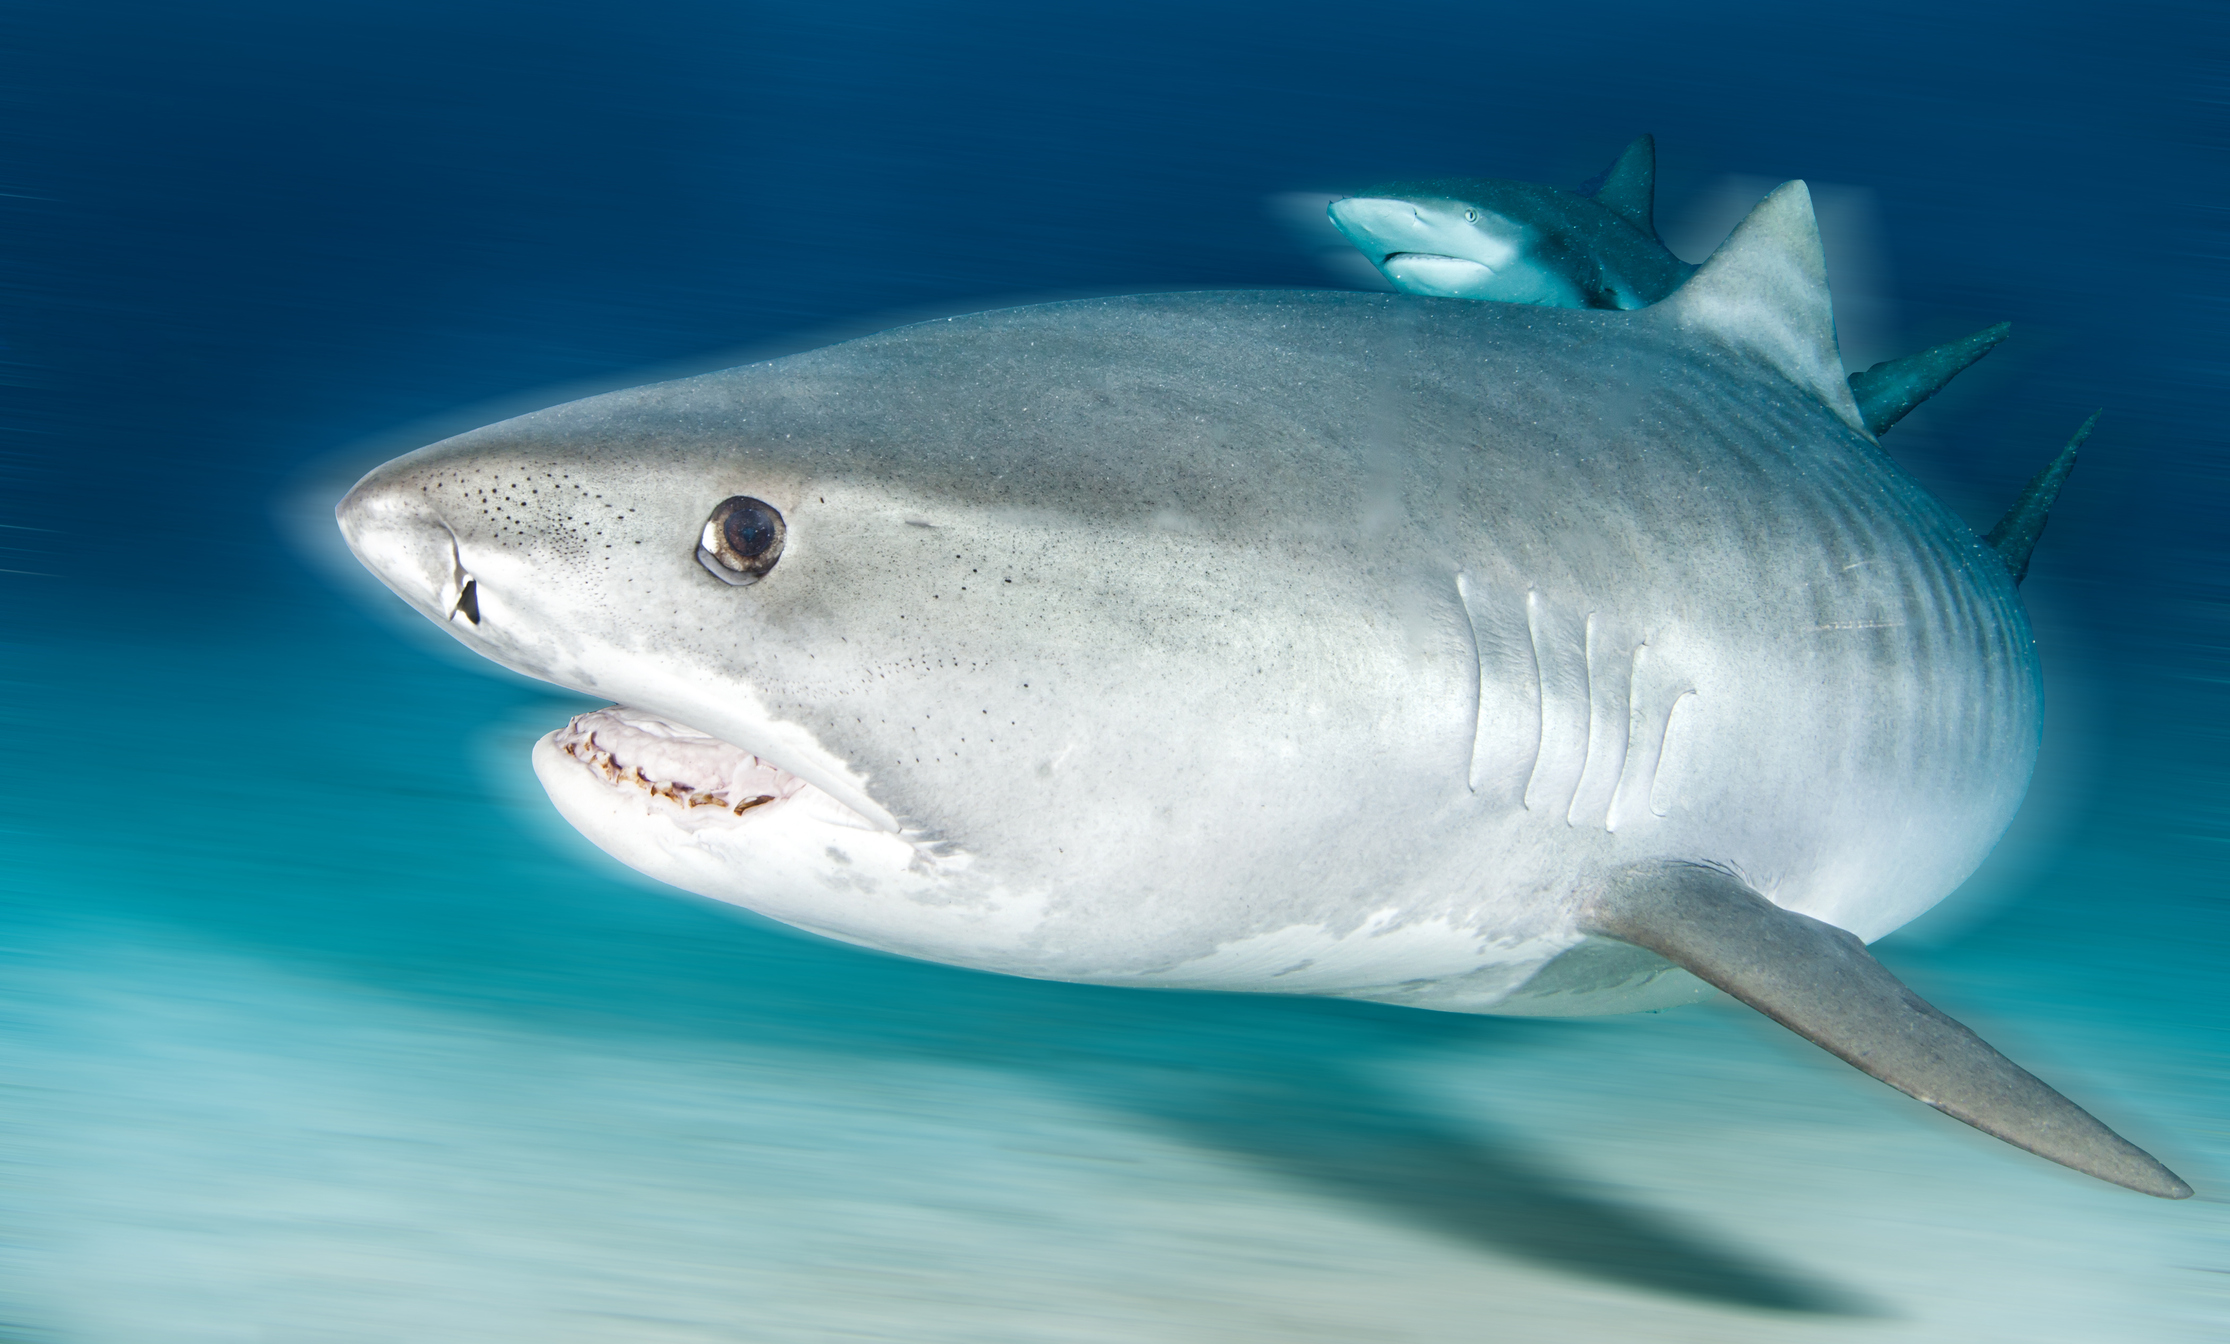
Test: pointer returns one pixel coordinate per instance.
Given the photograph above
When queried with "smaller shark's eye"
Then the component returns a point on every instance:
(1470, 216)
(741, 540)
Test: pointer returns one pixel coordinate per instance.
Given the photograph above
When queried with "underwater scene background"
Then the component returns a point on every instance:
(317, 1024)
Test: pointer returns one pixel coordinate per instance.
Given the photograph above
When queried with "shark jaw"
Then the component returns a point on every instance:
(1435, 275)
(631, 749)
(695, 812)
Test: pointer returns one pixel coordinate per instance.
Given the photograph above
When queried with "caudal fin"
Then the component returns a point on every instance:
(1822, 984)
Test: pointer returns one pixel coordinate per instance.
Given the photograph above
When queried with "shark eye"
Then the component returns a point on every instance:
(1470, 216)
(741, 541)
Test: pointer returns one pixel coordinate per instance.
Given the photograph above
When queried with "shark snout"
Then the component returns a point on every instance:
(1376, 224)
(401, 537)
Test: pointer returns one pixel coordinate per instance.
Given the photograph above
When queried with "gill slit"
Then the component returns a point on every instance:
(1540, 696)
(1661, 806)
(1637, 728)
(1478, 678)
(1587, 691)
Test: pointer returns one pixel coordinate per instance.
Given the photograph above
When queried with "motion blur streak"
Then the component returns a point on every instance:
(316, 1025)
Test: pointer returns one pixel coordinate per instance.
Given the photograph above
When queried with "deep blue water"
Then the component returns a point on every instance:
(317, 1025)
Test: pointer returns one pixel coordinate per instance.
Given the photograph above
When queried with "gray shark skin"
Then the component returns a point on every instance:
(1520, 242)
(1458, 655)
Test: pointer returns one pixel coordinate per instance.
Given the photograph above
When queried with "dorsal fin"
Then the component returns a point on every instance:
(1822, 984)
(1890, 390)
(1764, 292)
(1629, 187)
(2014, 538)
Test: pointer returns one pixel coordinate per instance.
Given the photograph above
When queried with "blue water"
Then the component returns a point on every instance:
(316, 1025)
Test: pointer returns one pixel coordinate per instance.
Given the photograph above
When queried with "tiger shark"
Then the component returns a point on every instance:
(1456, 655)
(1522, 242)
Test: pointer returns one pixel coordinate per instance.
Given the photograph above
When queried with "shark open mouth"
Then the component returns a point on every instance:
(705, 779)
(702, 814)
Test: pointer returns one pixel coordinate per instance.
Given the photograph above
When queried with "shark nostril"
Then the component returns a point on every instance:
(468, 601)
(462, 593)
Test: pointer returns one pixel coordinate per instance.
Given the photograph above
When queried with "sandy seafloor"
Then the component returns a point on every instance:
(316, 1024)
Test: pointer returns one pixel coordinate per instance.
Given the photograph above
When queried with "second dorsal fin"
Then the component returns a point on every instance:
(1764, 292)
(1629, 187)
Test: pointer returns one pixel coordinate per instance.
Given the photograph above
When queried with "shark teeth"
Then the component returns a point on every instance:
(689, 769)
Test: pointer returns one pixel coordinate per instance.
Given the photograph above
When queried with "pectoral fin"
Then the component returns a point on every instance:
(1822, 984)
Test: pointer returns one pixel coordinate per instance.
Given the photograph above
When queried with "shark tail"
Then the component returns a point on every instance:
(1821, 983)
(2015, 536)
(1889, 391)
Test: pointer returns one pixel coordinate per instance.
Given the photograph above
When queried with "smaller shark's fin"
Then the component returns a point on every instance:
(1764, 292)
(1822, 984)
(1890, 390)
(1629, 188)
(2014, 538)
